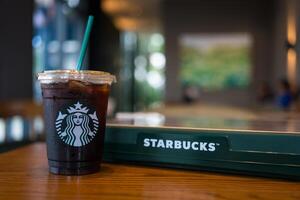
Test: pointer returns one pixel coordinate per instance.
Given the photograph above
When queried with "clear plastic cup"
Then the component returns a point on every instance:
(75, 105)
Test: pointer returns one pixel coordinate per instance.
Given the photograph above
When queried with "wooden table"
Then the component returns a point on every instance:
(24, 175)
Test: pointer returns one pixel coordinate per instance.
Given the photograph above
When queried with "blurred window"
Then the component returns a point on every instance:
(215, 61)
(143, 63)
(58, 30)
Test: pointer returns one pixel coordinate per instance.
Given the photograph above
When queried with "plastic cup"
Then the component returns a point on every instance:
(75, 105)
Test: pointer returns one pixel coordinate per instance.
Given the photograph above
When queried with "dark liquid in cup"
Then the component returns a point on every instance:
(75, 119)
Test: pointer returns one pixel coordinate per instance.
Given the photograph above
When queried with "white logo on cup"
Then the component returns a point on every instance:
(77, 127)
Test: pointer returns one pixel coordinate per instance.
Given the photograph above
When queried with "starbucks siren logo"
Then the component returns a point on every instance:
(77, 127)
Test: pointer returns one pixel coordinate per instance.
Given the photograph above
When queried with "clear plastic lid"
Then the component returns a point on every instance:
(89, 76)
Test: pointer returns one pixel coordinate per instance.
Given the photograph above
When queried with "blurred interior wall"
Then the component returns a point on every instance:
(259, 18)
(104, 41)
(280, 36)
(15, 49)
(104, 45)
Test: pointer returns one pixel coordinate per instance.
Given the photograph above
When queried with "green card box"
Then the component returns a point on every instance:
(263, 153)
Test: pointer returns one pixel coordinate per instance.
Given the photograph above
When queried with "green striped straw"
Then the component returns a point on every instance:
(85, 42)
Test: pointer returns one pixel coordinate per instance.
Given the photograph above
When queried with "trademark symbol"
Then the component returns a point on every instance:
(218, 144)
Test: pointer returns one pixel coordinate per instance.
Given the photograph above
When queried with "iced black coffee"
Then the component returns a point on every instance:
(75, 104)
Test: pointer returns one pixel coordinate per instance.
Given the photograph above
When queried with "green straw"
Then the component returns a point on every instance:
(85, 42)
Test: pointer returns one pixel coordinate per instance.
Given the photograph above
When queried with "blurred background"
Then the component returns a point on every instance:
(204, 63)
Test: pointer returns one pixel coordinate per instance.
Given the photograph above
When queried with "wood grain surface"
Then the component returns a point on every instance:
(24, 175)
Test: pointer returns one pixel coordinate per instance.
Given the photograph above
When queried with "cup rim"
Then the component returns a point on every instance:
(89, 76)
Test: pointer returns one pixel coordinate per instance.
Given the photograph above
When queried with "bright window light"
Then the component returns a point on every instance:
(155, 79)
(17, 128)
(158, 60)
